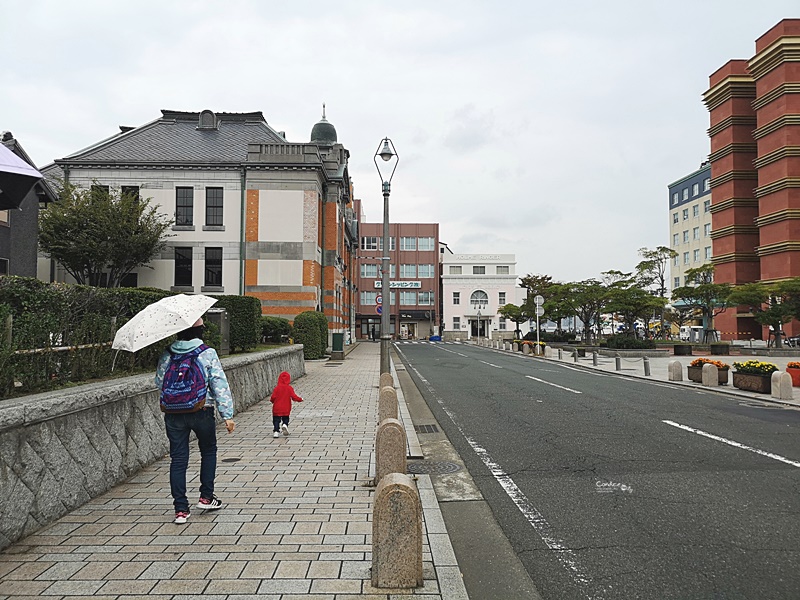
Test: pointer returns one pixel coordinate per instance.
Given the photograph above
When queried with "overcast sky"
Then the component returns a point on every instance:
(545, 129)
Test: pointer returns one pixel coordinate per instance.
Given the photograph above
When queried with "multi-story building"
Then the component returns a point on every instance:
(253, 213)
(413, 298)
(474, 287)
(754, 108)
(690, 223)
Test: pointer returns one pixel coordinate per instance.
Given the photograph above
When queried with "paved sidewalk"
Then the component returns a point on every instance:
(296, 521)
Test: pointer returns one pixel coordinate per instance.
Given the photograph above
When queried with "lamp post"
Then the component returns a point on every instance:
(386, 152)
(479, 327)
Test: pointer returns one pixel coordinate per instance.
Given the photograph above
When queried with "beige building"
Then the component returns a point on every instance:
(690, 223)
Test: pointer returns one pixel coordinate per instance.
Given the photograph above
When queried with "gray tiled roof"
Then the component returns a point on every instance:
(176, 138)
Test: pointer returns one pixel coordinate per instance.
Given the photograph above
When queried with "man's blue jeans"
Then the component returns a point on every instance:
(179, 426)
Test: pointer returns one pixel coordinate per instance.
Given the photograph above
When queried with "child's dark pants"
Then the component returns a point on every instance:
(276, 422)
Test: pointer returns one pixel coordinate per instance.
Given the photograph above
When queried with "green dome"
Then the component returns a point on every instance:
(323, 133)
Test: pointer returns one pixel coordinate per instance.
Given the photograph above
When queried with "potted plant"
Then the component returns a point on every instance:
(793, 369)
(695, 370)
(754, 376)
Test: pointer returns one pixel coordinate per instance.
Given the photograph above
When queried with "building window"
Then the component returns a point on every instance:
(3, 266)
(675, 239)
(183, 267)
(708, 252)
(696, 255)
(675, 198)
(707, 230)
(675, 217)
(501, 298)
(696, 210)
(368, 270)
(685, 193)
(695, 233)
(479, 299)
(685, 213)
(425, 271)
(706, 184)
(676, 282)
(408, 271)
(408, 243)
(456, 297)
(455, 270)
(380, 243)
(502, 323)
(369, 243)
(686, 236)
(392, 271)
(426, 298)
(184, 206)
(369, 298)
(478, 270)
(214, 207)
(502, 270)
(408, 298)
(695, 189)
(425, 243)
(456, 323)
(686, 280)
(213, 267)
(706, 205)
(676, 261)
(686, 258)
(131, 190)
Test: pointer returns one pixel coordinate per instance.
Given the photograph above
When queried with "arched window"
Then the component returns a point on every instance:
(479, 299)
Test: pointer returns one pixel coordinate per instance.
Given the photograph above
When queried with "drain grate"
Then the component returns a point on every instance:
(426, 429)
(230, 460)
(432, 467)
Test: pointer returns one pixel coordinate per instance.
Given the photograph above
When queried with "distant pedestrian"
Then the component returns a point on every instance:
(372, 336)
(281, 399)
(193, 384)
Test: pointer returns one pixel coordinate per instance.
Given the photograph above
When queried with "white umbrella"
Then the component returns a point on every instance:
(160, 320)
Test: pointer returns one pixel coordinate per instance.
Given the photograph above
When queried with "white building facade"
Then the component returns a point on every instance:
(474, 287)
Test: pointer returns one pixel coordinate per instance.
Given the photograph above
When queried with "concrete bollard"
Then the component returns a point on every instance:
(710, 376)
(526, 349)
(674, 370)
(781, 385)
(390, 449)
(397, 533)
(515, 347)
(594, 358)
(548, 352)
(387, 404)
(646, 362)
(575, 355)
(618, 362)
(537, 350)
(560, 354)
(385, 380)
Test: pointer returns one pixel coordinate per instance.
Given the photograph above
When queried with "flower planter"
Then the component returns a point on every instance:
(682, 350)
(752, 383)
(720, 349)
(696, 374)
(795, 374)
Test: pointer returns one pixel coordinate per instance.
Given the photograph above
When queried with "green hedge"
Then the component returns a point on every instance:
(275, 329)
(322, 323)
(244, 316)
(628, 342)
(307, 332)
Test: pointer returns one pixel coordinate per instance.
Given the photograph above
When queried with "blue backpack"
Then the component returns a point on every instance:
(185, 387)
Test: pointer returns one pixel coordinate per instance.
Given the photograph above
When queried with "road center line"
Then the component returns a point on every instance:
(491, 365)
(553, 384)
(734, 444)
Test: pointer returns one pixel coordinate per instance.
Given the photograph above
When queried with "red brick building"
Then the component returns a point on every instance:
(754, 107)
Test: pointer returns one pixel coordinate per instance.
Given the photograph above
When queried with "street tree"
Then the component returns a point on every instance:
(584, 299)
(652, 272)
(706, 296)
(515, 314)
(772, 304)
(630, 303)
(98, 232)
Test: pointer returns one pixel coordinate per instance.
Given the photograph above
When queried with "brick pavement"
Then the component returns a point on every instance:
(296, 521)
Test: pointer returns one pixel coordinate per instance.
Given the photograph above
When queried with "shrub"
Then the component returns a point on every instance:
(755, 367)
(628, 342)
(322, 323)
(274, 329)
(307, 332)
(244, 315)
(699, 362)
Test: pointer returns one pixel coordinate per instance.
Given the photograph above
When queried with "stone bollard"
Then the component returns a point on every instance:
(575, 355)
(537, 350)
(781, 385)
(710, 376)
(594, 358)
(385, 380)
(390, 449)
(526, 349)
(516, 347)
(674, 370)
(560, 354)
(618, 362)
(396, 533)
(646, 362)
(387, 404)
(548, 352)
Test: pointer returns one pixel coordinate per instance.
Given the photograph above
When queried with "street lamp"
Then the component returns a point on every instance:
(385, 151)
(479, 327)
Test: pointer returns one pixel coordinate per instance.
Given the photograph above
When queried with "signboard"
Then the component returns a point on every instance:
(378, 309)
(539, 311)
(538, 300)
(404, 285)
(379, 299)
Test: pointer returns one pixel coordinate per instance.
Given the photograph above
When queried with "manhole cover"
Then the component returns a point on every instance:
(432, 466)
(231, 459)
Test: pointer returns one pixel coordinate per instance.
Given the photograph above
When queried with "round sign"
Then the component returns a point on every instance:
(378, 309)
(379, 299)
(539, 311)
(538, 300)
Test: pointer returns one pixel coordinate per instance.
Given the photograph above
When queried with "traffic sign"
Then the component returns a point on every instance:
(379, 299)
(539, 311)
(378, 309)
(538, 300)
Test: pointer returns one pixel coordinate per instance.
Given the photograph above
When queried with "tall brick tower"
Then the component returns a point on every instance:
(754, 110)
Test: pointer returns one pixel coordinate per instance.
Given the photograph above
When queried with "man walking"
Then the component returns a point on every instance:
(193, 385)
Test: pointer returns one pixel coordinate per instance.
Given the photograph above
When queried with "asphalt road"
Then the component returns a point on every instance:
(612, 487)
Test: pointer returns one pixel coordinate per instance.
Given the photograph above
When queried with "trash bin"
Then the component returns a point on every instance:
(338, 342)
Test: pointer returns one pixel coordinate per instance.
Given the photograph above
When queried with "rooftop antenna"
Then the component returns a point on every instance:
(323, 111)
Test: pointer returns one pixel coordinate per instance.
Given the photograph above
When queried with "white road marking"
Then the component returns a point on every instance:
(565, 555)
(464, 355)
(554, 384)
(491, 365)
(734, 444)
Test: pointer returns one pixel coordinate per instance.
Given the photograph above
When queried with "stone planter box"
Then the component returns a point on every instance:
(696, 374)
(682, 350)
(753, 383)
(795, 375)
(720, 349)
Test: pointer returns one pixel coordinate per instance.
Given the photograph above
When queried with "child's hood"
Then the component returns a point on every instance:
(284, 378)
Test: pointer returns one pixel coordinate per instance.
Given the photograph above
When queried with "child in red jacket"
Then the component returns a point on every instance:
(281, 399)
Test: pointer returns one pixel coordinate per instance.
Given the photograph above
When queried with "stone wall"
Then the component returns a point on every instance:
(60, 449)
